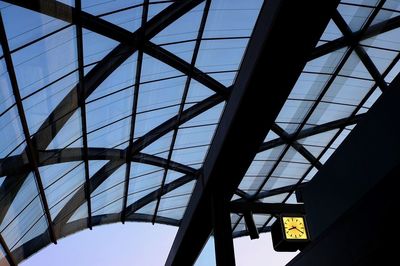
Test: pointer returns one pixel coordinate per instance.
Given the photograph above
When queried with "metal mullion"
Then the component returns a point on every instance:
(184, 96)
(9, 256)
(30, 150)
(81, 99)
(134, 112)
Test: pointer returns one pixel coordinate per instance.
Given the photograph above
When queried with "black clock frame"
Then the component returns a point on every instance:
(279, 240)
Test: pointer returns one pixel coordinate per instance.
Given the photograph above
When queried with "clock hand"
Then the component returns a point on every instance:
(299, 230)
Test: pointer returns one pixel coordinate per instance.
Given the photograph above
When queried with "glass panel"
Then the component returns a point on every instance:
(160, 94)
(61, 181)
(221, 55)
(184, 28)
(355, 16)
(232, 18)
(260, 219)
(173, 204)
(153, 69)
(120, 81)
(80, 213)
(311, 174)
(313, 143)
(191, 156)
(331, 32)
(11, 130)
(327, 63)
(355, 68)
(226, 78)
(148, 209)
(45, 61)
(38, 228)
(208, 117)
(183, 50)
(149, 120)
(381, 58)
(309, 86)
(96, 46)
(197, 92)
(143, 180)
(22, 25)
(97, 7)
(292, 114)
(128, 19)
(40, 105)
(154, 9)
(95, 166)
(160, 147)
(326, 112)
(194, 137)
(275, 199)
(6, 93)
(109, 193)
(70, 134)
(387, 40)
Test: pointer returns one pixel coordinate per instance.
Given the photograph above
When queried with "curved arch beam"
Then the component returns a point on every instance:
(16, 165)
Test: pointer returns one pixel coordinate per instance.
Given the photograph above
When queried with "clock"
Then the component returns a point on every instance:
(294, 227)
(290, 233)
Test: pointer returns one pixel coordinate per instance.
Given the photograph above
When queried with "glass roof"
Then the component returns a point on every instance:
(108, 108)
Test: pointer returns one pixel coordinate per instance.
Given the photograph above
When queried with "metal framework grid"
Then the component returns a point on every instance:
(147, 43)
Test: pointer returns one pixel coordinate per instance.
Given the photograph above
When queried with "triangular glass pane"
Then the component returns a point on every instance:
(70, 134)
(355, 16)
(39, 106)
(184, 28)
(183, 50)
(160, 147)
(172, 176)
(31, 25)
(96, 165)
(153, 69)
(128, 19)
(331, 32)
(197, 92)
(155, 8)
(80, 213)
(191, 156)
(96, 46)
(270, 136)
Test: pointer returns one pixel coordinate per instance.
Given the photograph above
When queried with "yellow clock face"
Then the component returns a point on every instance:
(294, 228)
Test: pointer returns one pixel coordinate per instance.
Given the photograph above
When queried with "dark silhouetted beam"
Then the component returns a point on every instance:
(250, 225)
(263, 63)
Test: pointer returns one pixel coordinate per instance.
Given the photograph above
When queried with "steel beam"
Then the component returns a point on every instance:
(263, 61)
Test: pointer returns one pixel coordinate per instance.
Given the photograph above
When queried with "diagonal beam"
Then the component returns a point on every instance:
(308, 132)
(297, 146)
(262, 63)
(8, 255)
(30, 151)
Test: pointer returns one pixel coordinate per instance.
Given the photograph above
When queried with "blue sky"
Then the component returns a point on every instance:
(141, 244)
